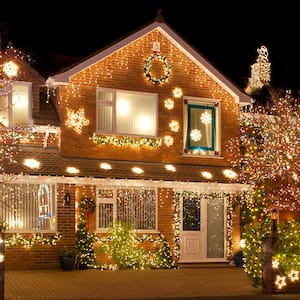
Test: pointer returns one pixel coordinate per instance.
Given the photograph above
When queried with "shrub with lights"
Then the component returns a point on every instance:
(285, 256)
(126, 249)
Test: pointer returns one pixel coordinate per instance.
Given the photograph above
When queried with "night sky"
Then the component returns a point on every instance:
(227, 33)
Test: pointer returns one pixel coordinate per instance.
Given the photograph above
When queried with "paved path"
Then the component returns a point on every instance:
(185, 283)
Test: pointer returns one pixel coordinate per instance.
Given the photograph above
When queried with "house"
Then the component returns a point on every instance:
(139, 128)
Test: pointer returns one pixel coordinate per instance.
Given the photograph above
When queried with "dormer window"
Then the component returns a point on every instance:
(15, 104)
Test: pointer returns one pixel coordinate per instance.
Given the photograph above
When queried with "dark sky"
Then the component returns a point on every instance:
(227, 33)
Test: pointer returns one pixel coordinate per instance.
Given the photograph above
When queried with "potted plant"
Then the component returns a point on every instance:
(238, 258)
(67, 258)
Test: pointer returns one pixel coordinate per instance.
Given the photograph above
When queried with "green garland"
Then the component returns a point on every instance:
(148, 65)
(18, 239)
(125, 141)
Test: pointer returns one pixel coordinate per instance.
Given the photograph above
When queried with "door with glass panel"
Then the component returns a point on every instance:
(202, 229)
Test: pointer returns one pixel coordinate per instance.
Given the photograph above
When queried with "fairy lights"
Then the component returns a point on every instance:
(76, 120)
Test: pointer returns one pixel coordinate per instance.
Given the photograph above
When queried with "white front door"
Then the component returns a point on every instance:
(202, 235)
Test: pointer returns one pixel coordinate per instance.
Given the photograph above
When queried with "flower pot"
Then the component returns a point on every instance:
(238, 260)
(67, 263)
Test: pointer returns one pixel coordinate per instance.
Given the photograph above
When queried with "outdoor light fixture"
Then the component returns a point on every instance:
(274, 217)
(67, 198)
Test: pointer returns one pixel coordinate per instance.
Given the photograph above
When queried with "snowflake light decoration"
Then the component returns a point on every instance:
(168, 140)
(76, 120)
(205, 118)
(196, 135)
(174, 125)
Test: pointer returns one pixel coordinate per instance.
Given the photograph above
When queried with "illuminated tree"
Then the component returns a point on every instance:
(267, 152)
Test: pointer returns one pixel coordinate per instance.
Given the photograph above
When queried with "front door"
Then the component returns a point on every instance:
(202, 229)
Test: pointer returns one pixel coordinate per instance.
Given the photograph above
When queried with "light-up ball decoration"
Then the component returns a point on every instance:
(10, 69)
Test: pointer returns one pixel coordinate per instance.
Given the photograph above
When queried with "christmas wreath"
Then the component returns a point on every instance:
(148, 65)
(87, 204)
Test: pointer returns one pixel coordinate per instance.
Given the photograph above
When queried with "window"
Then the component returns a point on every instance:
(135, 207)
(15, 104)
(202, 127)
(28, 207)
(127, 113)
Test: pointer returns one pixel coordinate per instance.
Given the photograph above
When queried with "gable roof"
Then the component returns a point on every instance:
(64, 76)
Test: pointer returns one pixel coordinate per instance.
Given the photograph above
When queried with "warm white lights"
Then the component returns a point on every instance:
(137, 170)
(177, 92)
(31, 163)
(169, 104)
(206, 174)
(205, 118)
(196, 135)
(170, 168)
(1, 258)
(76, 120)
(294, 275)
(168, 140)
(230, 173)
(174, 125)
(280, 281)
(10, 69)
(72, 170)
(105, 166)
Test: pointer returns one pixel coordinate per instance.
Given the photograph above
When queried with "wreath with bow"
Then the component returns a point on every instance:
(87, 204)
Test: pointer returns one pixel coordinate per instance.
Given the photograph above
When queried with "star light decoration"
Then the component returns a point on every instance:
(76, 120)
(268, 149)
(280, 281)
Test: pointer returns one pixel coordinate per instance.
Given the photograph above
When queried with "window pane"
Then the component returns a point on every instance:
(137, 208)
(104, 96)
(28, 207)
(4, 110)
(20, 105)
(104, 118)
(191, 215)
(105, 215)
(136, 114)
(201, 126)
(215, 227)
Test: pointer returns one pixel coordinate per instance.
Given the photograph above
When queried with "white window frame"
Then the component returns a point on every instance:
(196, 101)
(113, 104)
(113, 201)
(8, 92)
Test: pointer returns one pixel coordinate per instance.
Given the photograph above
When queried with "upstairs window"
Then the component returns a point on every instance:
(202, 127)
(15, 106)
(126, 113)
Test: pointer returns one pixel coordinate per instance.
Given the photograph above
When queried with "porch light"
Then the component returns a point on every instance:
(274, 216)
(31, 163)
(230, 173)
(72, 170)
(206, 175)
(170, 168)
(105, 166)
(137, 170)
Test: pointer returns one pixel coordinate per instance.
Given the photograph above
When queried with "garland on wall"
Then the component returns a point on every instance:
(125, 141)
(37, 238)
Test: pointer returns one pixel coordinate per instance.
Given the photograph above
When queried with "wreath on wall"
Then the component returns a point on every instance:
(167, 68)
(87, 204)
